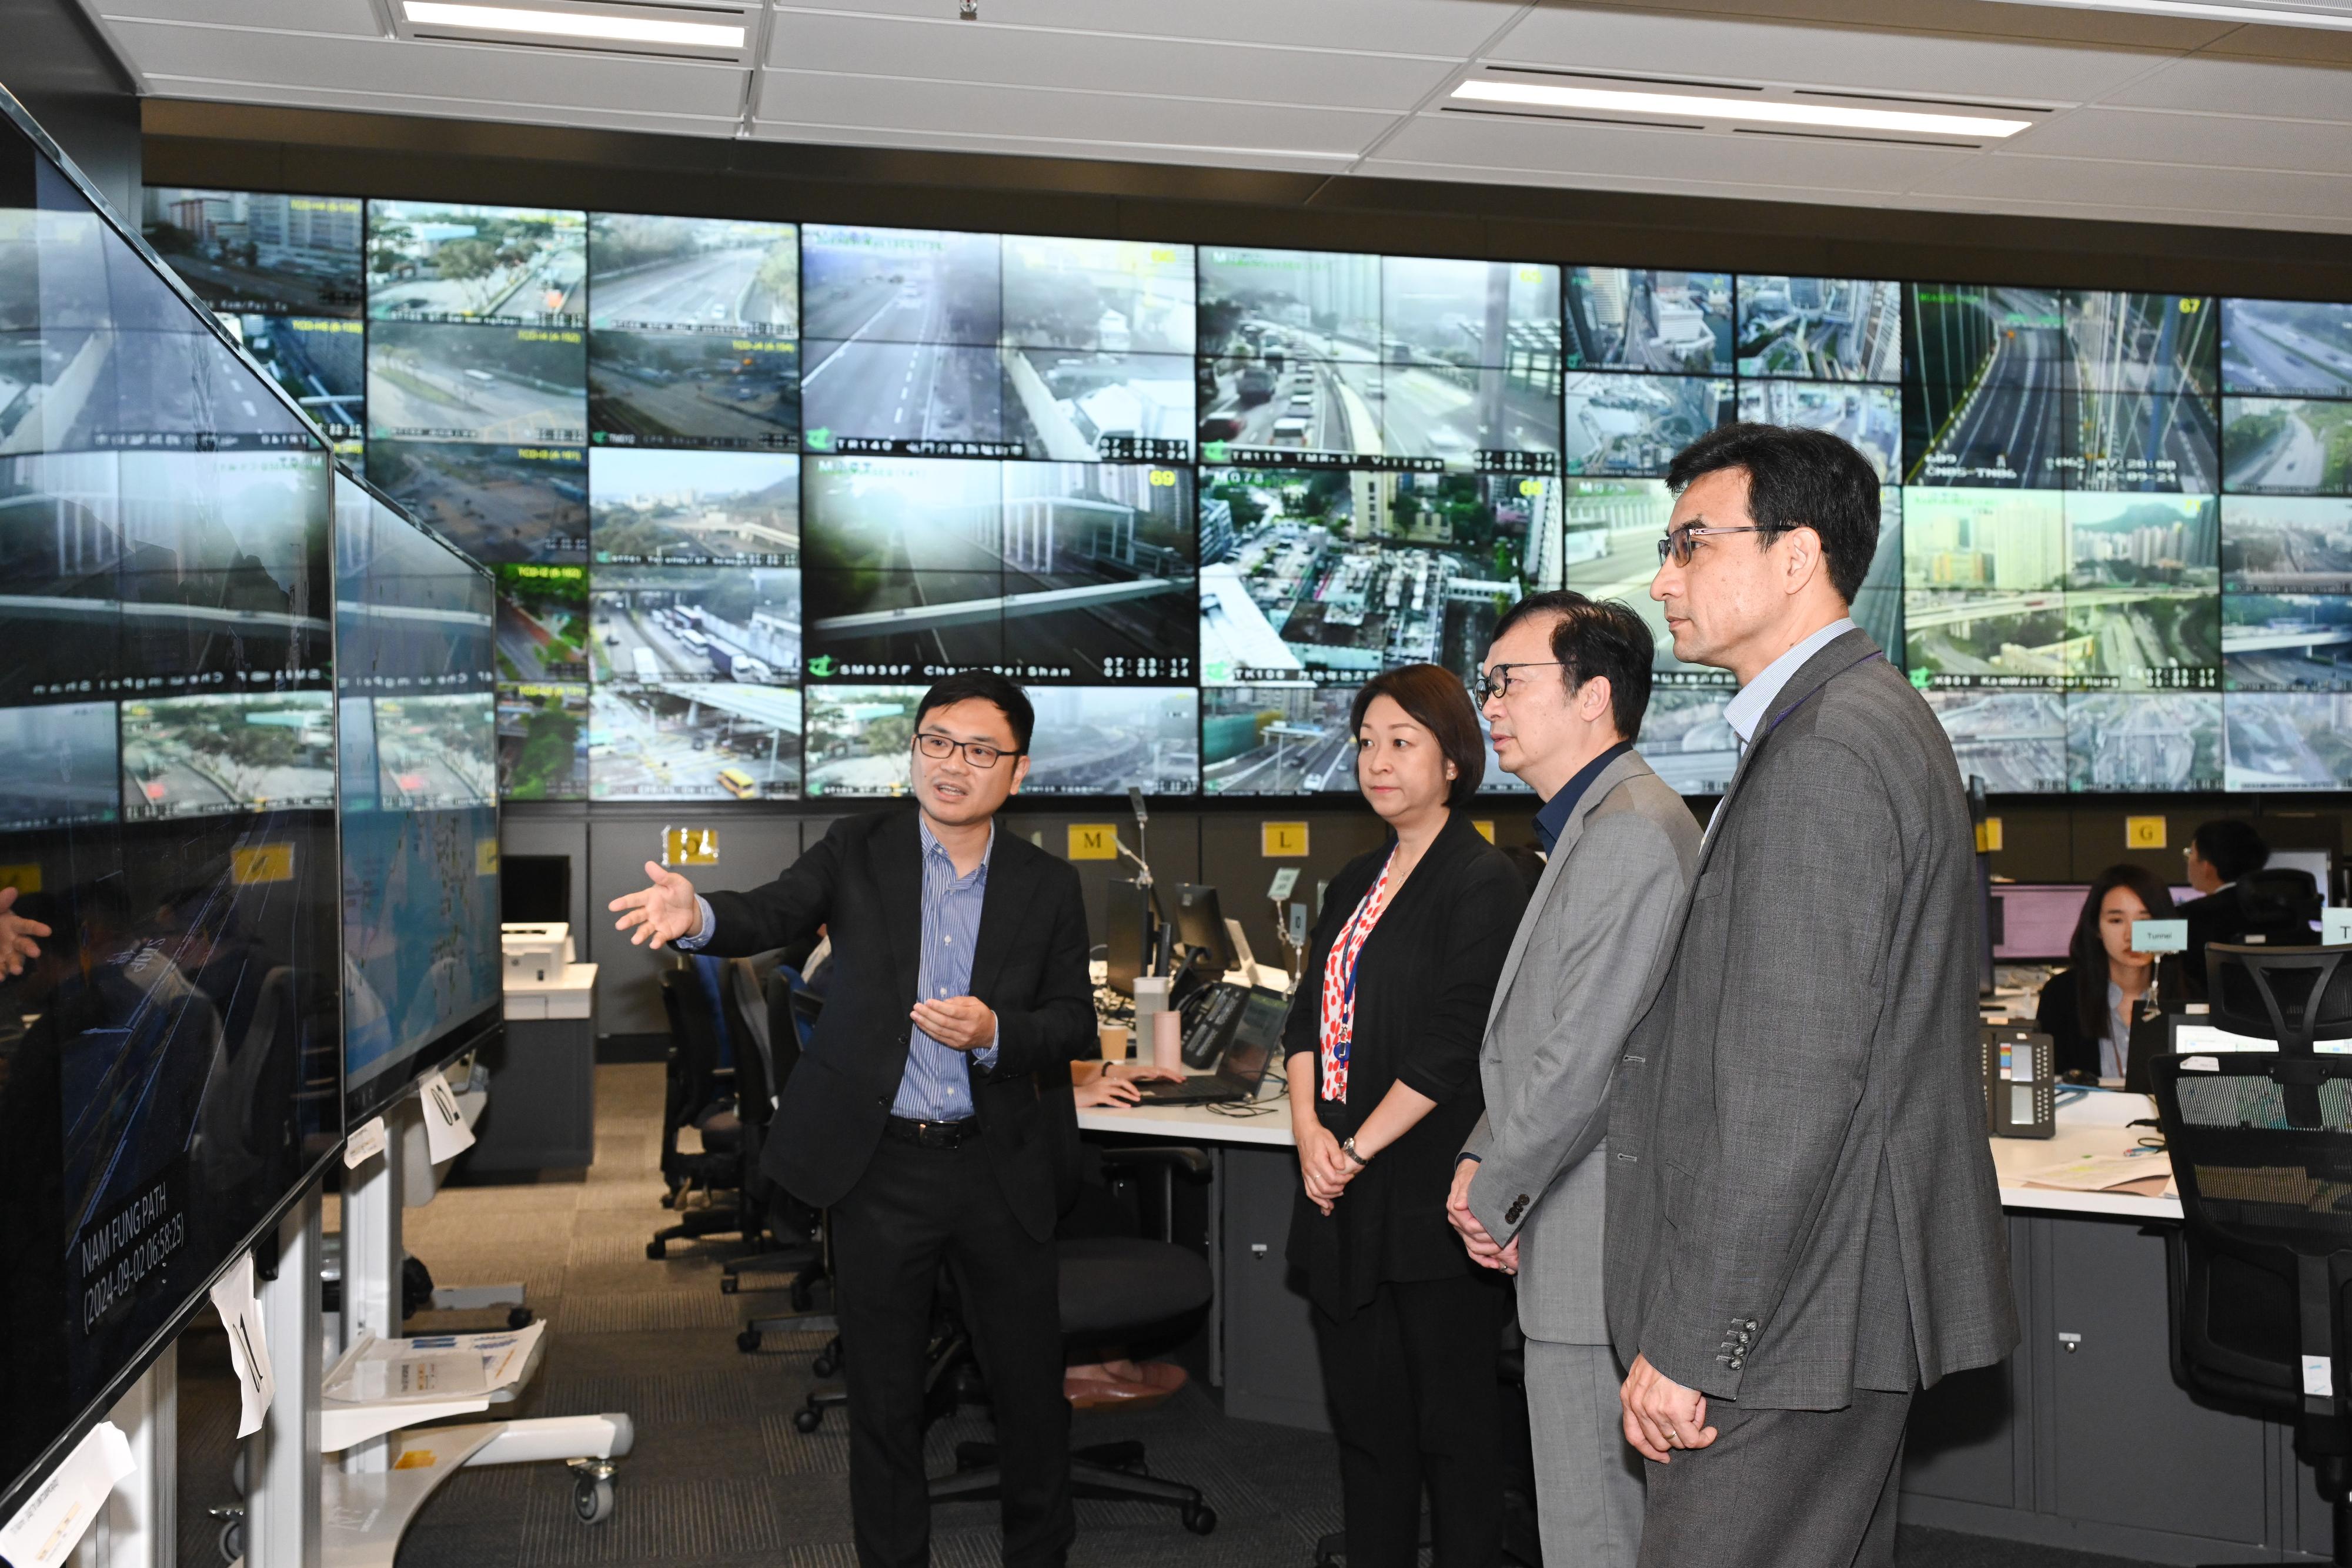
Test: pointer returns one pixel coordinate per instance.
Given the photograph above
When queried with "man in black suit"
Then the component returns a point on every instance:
(919, 1114)
(2218, 855)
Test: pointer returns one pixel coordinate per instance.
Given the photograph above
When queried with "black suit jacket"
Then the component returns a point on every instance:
(864, 882)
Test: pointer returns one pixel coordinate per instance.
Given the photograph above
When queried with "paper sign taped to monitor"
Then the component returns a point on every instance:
(2336, 928)
(53, 1521)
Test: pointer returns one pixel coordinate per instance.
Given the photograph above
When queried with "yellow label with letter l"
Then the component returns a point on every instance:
(689, 846)
(1282, 840)
(1988, 836)
(2144, 832)
(1094, 840)
(256, 863)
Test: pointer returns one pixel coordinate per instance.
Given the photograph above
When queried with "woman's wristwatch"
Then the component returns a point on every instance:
(1347, 1147)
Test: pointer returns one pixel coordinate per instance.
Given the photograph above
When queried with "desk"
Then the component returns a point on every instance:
(2081, 1438)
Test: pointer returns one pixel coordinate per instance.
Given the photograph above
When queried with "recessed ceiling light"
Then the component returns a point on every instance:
(1767, 111)
(599, 26)
(2210, 11)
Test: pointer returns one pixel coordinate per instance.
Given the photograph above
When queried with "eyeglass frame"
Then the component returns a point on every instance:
(1691, 531)
(1484, 690)
(963, 748)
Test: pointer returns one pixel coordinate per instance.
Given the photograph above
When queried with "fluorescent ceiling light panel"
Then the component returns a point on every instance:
(2210, 11)
(599, 26)
(1765, 112)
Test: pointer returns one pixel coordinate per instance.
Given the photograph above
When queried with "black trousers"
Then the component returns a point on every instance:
(913, 1210)
(1412, 1383)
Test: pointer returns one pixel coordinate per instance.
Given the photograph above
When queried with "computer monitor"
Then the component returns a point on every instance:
(534, 890)
(2037, 920)
(1127, 951)
(1201, 926)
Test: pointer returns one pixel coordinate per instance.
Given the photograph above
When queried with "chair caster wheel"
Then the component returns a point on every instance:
(1199, 1518)
(520, 1318)
(591, 1499)
(824, 1365)
(727, 1284)
(807, 1420)
(657, 1251)
(748, 1341)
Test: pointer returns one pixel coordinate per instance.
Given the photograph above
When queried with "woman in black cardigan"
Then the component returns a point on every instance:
(1383, 1043)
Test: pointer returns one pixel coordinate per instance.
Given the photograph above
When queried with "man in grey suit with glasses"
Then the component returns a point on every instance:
(1804, 1227)
(1566, 684)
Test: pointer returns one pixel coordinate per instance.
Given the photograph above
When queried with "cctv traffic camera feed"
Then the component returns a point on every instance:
(2288, 741)
(1820, 328)
(695, 390)
(543, 622)
(2045, 388)
(2135, 743)
(695, 332)
(322, 363)
(667, 624)
(2141, 609)
(2286, 348)
(496, 503)
(443, 382)
(248, 252)
(1867, 418)
(1291, 739)
(235, 751)
(1686, 739)
(542, 741)
(1332, 576)
(1634, 424)
(1056, 573)
(435, 261)
(698, 508)
(2272, 445)
(2015, 740)
(2286, 643)
(1371, 362)
(694, 741)
(1105, 740)
(2287, 544)
(433, 752)
(1666, 322)
(61, 767)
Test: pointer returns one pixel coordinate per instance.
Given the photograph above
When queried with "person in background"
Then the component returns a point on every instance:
(923, 1113)
(2218, 854)
(1804, 1225)
(1565, 688)
(1382, 1049)
(2088, 1009)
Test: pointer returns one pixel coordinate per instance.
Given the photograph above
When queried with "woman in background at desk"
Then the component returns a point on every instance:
(2088, 1007)
(1383, 1048)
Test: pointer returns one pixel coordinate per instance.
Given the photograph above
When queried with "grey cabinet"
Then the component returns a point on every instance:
(1271, 1371)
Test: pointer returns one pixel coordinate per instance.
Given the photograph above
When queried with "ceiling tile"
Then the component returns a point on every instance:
(496, 77)
(2151, 192)
(1439, 28)
(1867, 59)
(1027, 146)
(2242, 87)
(1112, 122)
(950, 51)
(1593, 149)
(2204, 141)
(349, 17)
(281, 97)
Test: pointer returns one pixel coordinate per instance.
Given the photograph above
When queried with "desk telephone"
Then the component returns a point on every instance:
(1210, 1016)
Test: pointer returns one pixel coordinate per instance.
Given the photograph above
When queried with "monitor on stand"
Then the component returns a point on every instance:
(535, 890)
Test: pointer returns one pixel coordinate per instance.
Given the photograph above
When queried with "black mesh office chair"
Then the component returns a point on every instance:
(2262, 1151)
(791, 1016)
(717, 1100)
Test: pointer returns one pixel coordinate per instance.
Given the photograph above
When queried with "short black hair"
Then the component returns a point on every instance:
(1795, 479)
(1596, 637)
(2232, 848)
(988, 686)
(1433, 696)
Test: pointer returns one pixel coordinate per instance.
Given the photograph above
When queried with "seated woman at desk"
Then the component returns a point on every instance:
(2088, 1007)
(1383, 1048)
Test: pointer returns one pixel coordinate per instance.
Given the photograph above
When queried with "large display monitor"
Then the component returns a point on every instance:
(416, 717)
(170, 1061)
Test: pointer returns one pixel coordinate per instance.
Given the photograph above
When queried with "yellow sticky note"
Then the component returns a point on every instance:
(2144, 832)
(1282, 840)
(23, 878)
(1485, 829)
(486, 857)
(1988, 836)
(1094, 840)
(261, 862)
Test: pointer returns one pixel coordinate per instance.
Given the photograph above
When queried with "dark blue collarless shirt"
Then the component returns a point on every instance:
(1555, 813)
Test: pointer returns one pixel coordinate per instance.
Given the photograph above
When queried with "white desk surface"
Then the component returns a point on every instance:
(2089, 1126)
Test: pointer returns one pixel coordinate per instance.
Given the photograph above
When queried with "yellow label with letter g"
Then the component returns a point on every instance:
(2144, 832)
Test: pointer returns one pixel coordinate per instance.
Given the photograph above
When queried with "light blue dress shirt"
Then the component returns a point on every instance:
(1747, 710)
(937, 1083)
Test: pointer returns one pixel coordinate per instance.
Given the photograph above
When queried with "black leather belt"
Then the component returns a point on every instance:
(933, 1135)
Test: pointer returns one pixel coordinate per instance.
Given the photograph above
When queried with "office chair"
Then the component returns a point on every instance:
(785, 1234)
(791, 1010)
(717, 1100)
(2262, 1151)
(2279, 904)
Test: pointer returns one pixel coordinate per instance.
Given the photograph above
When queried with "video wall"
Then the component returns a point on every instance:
(747, 488)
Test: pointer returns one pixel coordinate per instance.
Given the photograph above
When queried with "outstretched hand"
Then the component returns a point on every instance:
(660, 914)
(16, 934)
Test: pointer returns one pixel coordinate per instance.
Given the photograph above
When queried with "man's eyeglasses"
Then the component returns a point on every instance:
(978, 753)
(1678, 545)
(1498, 680)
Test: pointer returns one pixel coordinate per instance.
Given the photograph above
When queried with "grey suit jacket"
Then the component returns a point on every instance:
(1800, 1197)
(1582, 964)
